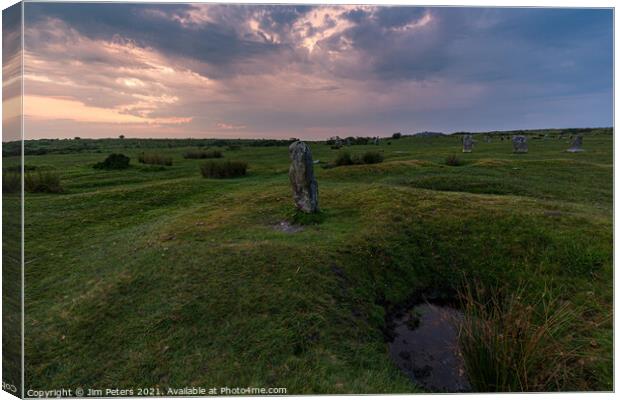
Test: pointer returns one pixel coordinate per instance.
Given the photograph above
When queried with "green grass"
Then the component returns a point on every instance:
(141, 277)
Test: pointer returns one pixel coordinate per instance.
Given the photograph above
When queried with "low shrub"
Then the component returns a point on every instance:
(343, 158)
(113, 161)
(223, 169)
(453, 161)
(233, 147)
(203, 154)
(156, 159)
(510, 343)
(42, 182)
(372, 157)
(11, 182)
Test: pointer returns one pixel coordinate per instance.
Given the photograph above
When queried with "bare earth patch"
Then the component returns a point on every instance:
(287, 227)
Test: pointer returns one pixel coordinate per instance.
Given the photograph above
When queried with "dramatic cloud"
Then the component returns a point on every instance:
(201, 70)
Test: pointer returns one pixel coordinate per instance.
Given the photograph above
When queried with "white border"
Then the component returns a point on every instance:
(476, 3)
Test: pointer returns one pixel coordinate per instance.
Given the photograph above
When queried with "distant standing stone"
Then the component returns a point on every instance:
(576, 144)
(468, 143)
(375, 140)
(519, 144)
(301, 175)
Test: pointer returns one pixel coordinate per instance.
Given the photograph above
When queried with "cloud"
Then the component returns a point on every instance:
(50, 108)
(230, 127)
(311, 71)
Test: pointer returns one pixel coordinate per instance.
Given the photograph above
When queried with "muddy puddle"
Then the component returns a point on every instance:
(425, 347)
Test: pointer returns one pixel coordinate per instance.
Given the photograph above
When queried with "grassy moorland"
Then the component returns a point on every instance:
(156, 276)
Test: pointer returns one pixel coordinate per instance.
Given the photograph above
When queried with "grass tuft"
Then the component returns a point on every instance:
(42, 182)
(203, 154)
(345, 158)
(372, 157)
(155, 159)
(512, 343)
(223, 169)
(11, 182)
(453, 161)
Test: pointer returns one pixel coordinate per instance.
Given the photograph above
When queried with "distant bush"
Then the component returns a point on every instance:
(372, 157)
(11, 182)
(156, 159)
(233, 147)
(223, 169)
(343, 158)
(113, 161)
(349, 141)
(397, 135)
(453, 161)
(203, 154)
(42, 182)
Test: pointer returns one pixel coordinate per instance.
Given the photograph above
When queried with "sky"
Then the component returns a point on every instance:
(312, 72)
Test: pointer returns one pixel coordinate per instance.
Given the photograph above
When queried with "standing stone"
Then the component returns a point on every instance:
(468, 143)
(576, 144)
(519, 144)
(487, 139)
(375, 140)
(301, 175)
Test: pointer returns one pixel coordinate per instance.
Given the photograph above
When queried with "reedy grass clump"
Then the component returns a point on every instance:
(343, 158)
(453, 161)
(370, 157)
(42, 182)
(202, 154)
(153, 158)
(223, 169)
(11, 182)
(511, 342)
